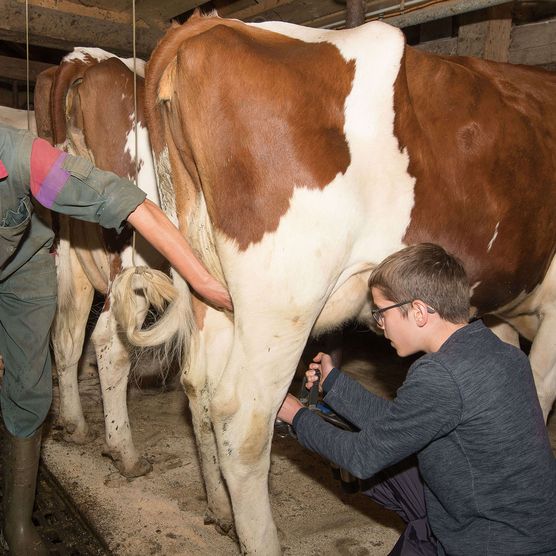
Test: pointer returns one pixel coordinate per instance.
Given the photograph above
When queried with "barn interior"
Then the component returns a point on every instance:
(84, 506)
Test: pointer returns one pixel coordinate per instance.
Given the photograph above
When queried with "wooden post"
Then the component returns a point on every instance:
(355, 13)
(486, 34)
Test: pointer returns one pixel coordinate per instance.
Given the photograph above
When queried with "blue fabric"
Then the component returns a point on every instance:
(400, 489)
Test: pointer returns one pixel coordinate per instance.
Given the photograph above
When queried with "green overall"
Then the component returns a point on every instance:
(27, 269)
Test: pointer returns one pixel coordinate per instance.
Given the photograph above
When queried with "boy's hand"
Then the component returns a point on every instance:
(289, 408)
(322, 364)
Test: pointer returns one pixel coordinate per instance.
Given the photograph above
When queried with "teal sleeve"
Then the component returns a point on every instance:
(97, 196)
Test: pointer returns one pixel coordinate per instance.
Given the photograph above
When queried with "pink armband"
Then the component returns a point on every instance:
(47, 175)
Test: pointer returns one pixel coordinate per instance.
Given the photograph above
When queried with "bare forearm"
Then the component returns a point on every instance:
(155, 227)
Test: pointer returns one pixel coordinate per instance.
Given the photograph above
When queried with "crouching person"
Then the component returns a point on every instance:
(72, 186)
(485, 481)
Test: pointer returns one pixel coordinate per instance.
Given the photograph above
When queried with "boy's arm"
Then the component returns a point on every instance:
(351, 400)
(346, 396)
(427, 406)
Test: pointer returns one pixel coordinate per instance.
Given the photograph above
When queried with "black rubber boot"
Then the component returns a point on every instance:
(21, 462)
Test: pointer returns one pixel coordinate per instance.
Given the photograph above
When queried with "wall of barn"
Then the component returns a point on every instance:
(531, 44)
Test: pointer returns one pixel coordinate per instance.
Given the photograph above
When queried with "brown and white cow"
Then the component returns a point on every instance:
(86, 107)
(300, 158)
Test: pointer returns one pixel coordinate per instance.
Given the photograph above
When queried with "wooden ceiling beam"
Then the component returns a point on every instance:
(260, 7)
(166, 10)
(414, 12)
(16, 69)
(55, 28)
(68, 7)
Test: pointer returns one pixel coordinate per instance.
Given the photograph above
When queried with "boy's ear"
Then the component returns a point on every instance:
(421, 312)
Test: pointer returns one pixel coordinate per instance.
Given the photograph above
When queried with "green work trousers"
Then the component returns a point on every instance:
(27, 307)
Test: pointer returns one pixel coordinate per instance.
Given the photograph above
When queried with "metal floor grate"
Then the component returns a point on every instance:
(63, 529)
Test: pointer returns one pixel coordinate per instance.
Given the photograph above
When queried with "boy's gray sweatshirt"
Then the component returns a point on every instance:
(471, 413)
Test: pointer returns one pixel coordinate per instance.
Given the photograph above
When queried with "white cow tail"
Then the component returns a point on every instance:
(172, 331)
(66, 291)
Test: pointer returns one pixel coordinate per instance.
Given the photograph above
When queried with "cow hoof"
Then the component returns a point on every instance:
(223, 526)
(141, 467)
(75, 435)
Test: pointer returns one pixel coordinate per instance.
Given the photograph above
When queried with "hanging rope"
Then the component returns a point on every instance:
(133, 249)
(27, 62)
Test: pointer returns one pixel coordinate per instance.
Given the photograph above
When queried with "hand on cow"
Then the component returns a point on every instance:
(215, 293)
(319, 369)
(289, 409)
(161, 233)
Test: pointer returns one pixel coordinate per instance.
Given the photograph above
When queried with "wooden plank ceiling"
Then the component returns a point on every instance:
(63, 24)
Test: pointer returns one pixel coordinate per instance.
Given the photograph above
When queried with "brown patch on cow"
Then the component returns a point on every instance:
(199, 311)
(106, 95)
(115, 265)
(114, 242)
(254, 446)
(102, 103)
(254, 114)
(481, 139)
(106, 304)
(67, 73)
(43, 87)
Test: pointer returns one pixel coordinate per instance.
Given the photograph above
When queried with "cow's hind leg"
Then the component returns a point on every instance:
(243, 409)
(207, 356)
(503, 330)
(543, 361)
(68, 332)
(535, 319)
(114, 366)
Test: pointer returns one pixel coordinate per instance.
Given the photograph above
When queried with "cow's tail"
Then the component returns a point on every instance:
(170, 298)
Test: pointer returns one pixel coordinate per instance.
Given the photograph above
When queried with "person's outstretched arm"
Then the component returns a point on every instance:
(72, 185)
(155, 227)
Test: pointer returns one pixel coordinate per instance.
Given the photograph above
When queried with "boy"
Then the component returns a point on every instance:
(468, 409)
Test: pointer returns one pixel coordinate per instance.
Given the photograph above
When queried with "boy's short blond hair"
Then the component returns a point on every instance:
(427, 272)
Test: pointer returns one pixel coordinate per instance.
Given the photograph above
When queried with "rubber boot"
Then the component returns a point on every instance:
(21, 462)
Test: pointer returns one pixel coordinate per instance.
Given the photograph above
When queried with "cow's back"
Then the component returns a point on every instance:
(481, 138)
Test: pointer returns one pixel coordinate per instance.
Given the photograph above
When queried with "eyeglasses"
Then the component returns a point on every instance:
(377, 313)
